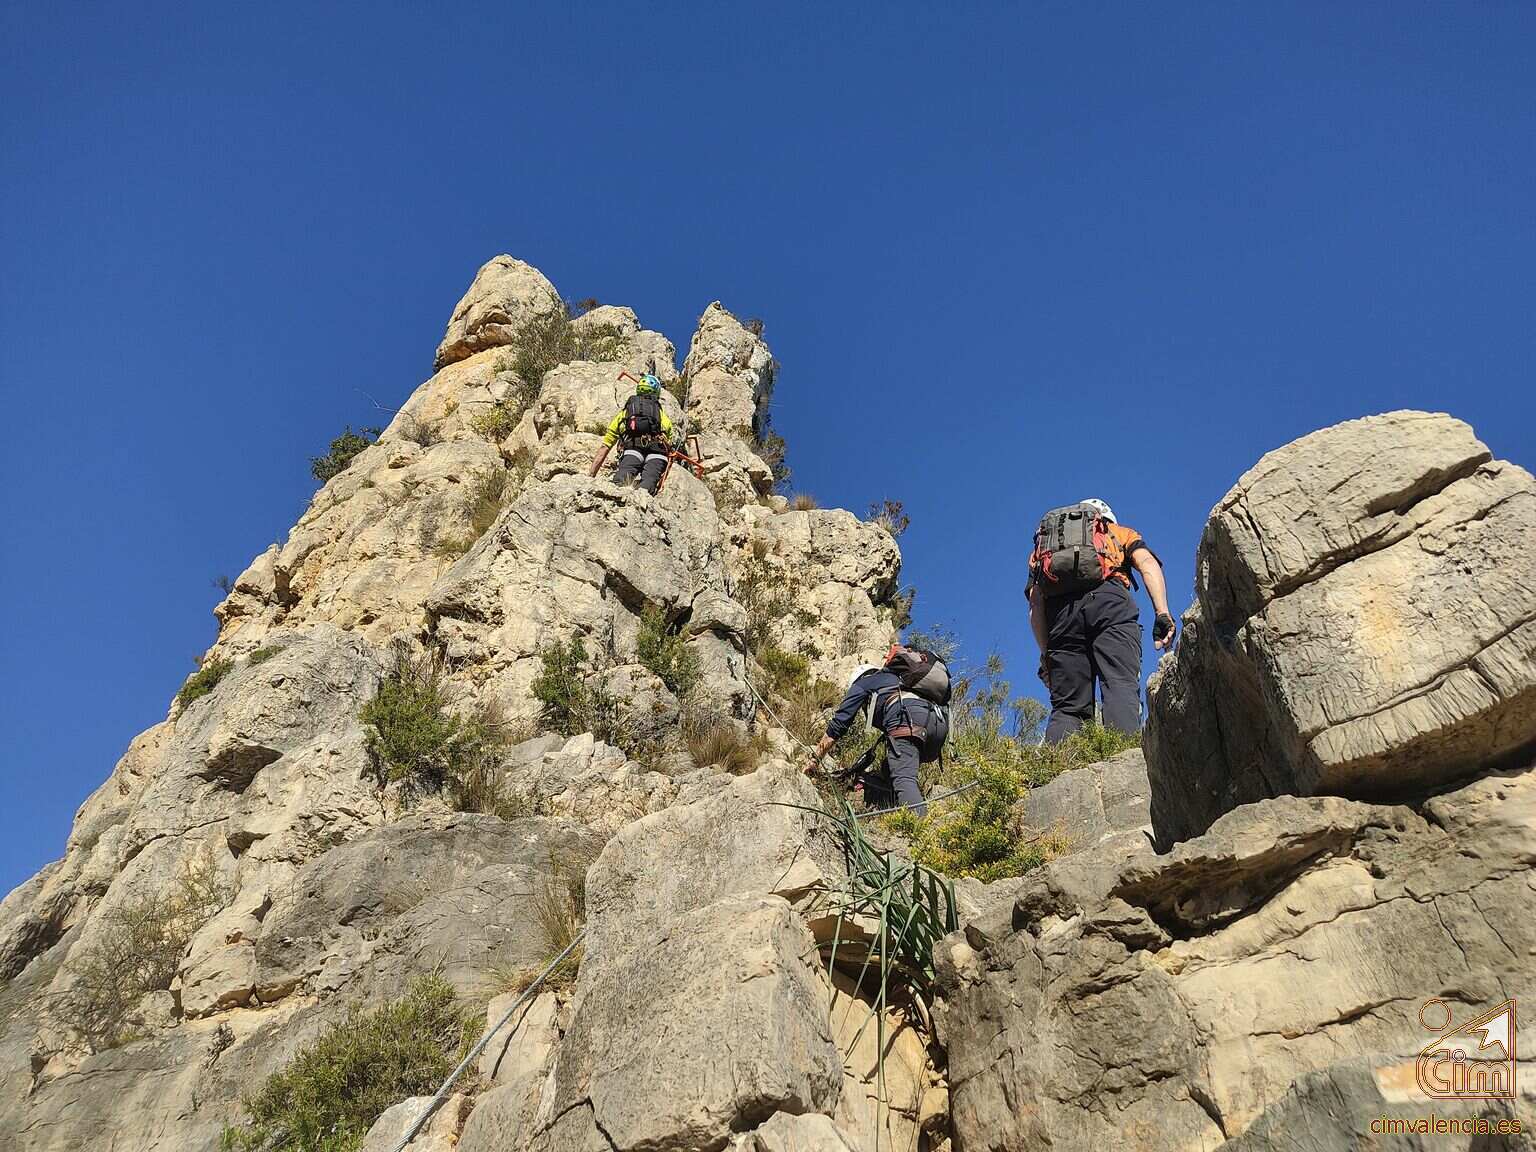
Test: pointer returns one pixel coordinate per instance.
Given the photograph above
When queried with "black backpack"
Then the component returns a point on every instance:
(1074, 550)
(642, 418)
(921, 673)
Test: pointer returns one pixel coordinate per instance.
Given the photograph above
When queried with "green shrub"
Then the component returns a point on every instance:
(263, 654)
(343, 449)
(413, 733)
(570, 702)
(785, 671)
(800, 701)
(203, 681)
(136, 949)
(549, 341)
(667, 654)
(330, 1094)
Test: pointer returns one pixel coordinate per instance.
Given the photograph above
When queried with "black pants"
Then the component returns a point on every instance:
(649, 461)
(896, 783)
(1094, 636)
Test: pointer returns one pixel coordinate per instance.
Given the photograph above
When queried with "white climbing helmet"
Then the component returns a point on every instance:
(1102, 509)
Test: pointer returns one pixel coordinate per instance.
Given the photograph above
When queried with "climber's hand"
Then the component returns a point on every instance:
(1164, 631)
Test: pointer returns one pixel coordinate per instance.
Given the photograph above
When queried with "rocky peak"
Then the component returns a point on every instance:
(480, 711)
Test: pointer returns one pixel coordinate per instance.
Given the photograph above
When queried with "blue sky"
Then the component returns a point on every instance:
(1008, 257)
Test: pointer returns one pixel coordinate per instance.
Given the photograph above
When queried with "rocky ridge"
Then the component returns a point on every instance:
(1334, 820)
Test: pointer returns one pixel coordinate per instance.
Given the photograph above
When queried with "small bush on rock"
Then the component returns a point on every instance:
(263, 654)
(713, 742)
(203, 681)
(343, 449)
(549, 341)
(414, 735)
(330, 1094)
(890, 515)
(667, 654)
(571, 702)
(136, 950)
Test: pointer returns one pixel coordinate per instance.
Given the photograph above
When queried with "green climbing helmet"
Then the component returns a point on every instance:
(649, 385)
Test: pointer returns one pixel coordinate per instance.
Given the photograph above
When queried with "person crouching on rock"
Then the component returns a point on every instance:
(643, 433)
(1081, 572)
(907, 702)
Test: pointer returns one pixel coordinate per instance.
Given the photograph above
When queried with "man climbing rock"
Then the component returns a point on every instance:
(1085, 620)
(643, 433)
(907, 702)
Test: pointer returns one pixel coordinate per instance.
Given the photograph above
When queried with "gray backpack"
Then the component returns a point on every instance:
(1074, 550)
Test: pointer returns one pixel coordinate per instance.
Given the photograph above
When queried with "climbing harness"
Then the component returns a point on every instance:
(686, 450)
(442, 1092)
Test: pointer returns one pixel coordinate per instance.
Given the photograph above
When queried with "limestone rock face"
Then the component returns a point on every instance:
(573, 557)
(1184, 995)
(1364, 625)
(470, 533)
(505, 296)
(824, 581)
(449, 892)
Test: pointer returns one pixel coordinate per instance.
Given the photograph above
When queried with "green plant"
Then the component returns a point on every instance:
(773, 451)
(203, 681)
(548, 341)
(263, 654)
(329, 1095)
(343, 449)
(135, 949)
(498, 421)
(890, 515)
(486, 496)
(894, 911)
(666, 653)
(802, 700)
(571, 702)
(415, 736)
(785, 671)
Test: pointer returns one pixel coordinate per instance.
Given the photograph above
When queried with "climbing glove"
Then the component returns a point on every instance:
(1162, 627)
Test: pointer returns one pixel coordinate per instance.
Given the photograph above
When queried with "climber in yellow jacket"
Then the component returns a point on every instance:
(644, 435)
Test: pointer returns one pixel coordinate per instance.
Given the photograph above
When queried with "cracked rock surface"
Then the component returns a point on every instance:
(1364, 625)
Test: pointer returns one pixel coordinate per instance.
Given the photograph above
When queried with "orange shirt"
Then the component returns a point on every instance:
(1126, 540)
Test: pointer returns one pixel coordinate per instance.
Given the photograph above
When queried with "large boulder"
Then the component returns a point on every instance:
(1168, 1002)
(696, 956)
(1085, 806)
(1364, 625)
(504, 298)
